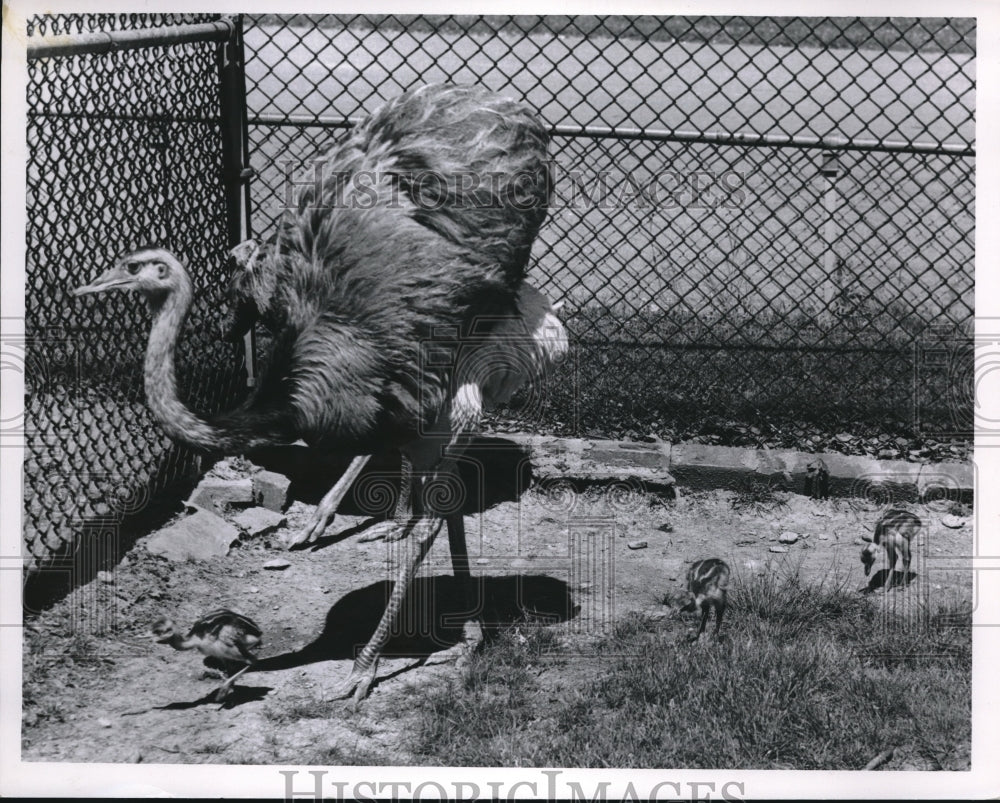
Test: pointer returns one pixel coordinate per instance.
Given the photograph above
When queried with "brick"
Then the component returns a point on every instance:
(258, 521)
(270, 490)
(201, 536)
(214, 493)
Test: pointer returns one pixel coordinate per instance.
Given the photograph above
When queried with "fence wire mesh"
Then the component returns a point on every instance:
(124, 149)
(761, 223)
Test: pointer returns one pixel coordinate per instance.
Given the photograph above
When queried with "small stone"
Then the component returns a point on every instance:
(886, 454)
(788, 537)
(106, 577)
(779, 549)
(253, 590)
(104, 723)
(657, 615)
(953, 522)
(844, 437)
(637, 544)
(277, 564)
(824, 536)
(482, 561)
(666, 528)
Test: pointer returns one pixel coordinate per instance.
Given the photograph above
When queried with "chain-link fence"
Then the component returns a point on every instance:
(762, 226)
(759, 225)
(125, 148)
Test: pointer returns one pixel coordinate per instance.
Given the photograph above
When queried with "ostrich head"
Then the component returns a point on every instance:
(154, 273)
(162, 631)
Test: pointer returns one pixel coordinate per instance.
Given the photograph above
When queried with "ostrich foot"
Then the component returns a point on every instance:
(390, 530)
(357, 683)
(327, 508)
(223, 691)
(462, 651)
(317, 526)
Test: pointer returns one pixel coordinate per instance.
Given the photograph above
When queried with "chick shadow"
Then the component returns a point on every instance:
(492, 470)
(238, 695)
(431, 617)
(886, 579)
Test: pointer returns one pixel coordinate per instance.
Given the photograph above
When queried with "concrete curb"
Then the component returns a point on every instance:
(662, 464)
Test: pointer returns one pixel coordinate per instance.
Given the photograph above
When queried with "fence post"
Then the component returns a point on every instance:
(830, 168)
(235, 156)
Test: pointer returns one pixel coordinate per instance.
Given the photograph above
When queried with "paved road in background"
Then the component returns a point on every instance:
(682, 85)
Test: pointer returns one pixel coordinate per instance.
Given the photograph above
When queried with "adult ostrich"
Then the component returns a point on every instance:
(516, 350)
(418, 228)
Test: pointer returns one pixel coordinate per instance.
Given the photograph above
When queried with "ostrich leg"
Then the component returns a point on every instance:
(394, 528)
(422, 533)
(472, 632)
(327, 508)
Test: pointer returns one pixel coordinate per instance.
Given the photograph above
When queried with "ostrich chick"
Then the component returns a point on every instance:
(707, 584)
(222, 634)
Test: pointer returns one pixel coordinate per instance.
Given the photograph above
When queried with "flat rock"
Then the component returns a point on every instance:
(221, 494)
(277, 564)
(637, 544)
(257, 521)
(779, 549)
(788, 537)
(201, 536)
(270, 490)
(953, 522)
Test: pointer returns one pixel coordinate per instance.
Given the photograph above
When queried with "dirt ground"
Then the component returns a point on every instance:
(97, 689)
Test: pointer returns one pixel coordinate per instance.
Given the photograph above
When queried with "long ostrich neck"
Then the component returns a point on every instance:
(171, 413)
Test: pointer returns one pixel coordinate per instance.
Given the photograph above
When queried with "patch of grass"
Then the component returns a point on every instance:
(756, 496)
(806, 677)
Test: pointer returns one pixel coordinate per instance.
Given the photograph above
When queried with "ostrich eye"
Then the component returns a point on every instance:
(133, 268)
(162, 270)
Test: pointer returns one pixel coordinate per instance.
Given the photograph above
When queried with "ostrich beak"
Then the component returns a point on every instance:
(112, 279)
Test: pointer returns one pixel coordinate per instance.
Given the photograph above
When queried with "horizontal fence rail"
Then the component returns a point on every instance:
(717, 137)
(115, 41)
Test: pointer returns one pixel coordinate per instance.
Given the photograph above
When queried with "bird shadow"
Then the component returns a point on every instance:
(341, 535)
(492, 470)
(431, 617)
(238, 695)
(888, 578)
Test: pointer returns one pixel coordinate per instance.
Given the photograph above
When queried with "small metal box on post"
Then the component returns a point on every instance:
(831, 169)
